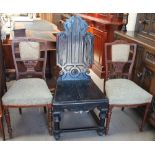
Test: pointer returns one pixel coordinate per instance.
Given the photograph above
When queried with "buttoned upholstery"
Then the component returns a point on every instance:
(124, 91)
(32, 91)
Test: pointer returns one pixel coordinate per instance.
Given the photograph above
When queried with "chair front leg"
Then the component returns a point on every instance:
(108, 119)
(145, 116)
(49, 107)
(2, 128)
(8, 121)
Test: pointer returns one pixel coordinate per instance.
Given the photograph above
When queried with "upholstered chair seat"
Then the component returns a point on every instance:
(124, 91)
(31, 91)
(120, 89)
(30, 88)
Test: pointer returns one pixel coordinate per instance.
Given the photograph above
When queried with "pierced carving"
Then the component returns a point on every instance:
(30, 65)
(74, 50)
(116, 70)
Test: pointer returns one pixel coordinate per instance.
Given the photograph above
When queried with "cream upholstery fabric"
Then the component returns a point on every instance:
(124, 91)
(32, 91)
(120, 52)
(29, 50)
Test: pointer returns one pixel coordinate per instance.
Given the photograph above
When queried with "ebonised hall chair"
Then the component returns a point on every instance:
(75, 90)
(120, 89)
(30, 88)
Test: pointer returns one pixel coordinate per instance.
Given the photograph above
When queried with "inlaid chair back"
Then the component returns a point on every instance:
(74, 50)
(29, 55)
(119, 59)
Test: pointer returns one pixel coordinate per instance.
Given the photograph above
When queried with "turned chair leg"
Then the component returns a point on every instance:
(2, 128)
(108, 119)
(49, 107)
(7, 117)
(145, 116)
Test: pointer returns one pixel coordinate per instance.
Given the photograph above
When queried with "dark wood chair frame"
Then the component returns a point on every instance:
(30, 71)
(75, 89)
(118, 73)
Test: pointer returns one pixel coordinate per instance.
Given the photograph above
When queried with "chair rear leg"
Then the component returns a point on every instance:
(49, 107)
(108, 119)
(122, 109)
(45, 111)
(2, 128)
(7, 117)
(20, 111)
(145, 116)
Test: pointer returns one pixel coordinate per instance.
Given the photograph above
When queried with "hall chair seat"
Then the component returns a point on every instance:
(124, 91)
(32, 91)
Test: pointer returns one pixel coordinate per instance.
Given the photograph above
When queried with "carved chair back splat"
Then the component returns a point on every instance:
(119, 65)
(30, 55)
(74, 50)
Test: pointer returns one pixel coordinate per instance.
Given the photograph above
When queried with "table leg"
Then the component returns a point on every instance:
(102, 116)
(57, 119)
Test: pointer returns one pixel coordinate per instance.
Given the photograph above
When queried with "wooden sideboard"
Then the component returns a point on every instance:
(102, 26)
(144, 67)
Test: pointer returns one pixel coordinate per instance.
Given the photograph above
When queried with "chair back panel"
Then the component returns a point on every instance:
(29, 56)
(120, 52)
(29, 50)
(74, 50)
(119, 59)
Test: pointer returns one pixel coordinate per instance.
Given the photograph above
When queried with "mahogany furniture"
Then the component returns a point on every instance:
(75, 91)
(30, 89)
(102, 26)
(120, 90)
(2, 87)
(144, 69)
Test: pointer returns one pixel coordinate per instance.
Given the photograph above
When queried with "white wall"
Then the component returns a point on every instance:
(131, 21)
